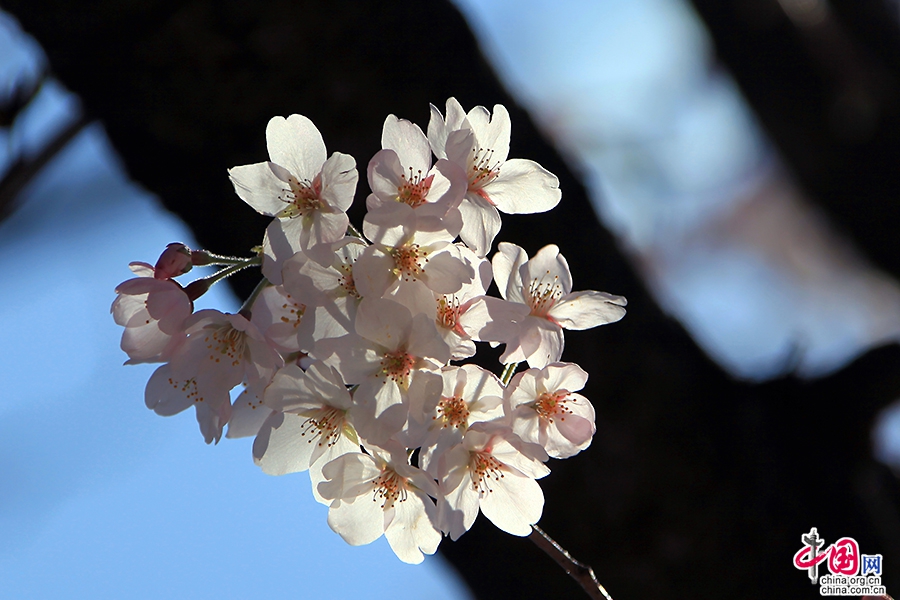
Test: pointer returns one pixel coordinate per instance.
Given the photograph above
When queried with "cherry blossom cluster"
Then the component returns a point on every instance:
(346, 361)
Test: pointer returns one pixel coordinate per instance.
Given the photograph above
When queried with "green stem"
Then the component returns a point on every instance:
(355, 232)
(508, 371)
(248, 303)
(198, 287)
(205, 258)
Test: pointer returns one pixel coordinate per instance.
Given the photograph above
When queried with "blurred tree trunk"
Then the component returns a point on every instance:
(696, 485)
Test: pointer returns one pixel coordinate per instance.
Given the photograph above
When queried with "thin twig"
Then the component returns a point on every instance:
(24, 170)
(578, 571)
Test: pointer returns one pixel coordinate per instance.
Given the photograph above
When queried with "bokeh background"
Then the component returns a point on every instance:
(729, 166)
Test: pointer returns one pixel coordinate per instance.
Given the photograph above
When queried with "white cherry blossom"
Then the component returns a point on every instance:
(544, 409)
(478, 142)
(153, 312)
(392, 357)
(221, 351)
(469, 394)
(309, 426)
(402, 172)
(410, 259)
(544, 285)
(494, 471)
(308, 195)
(328, 293)
(381, 493)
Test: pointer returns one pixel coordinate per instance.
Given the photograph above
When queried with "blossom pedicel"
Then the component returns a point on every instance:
(344, 348)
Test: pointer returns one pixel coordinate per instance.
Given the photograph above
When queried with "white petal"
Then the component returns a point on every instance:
(412, 529)
(481, 224)
(549, 267)
(247, 415)
(514, 504)
(523, 187)
(281, 446)
(260, 187)
(583, 310)
(507, 263)
(339, 178)
(297, 145)
(410, 144)
(493, 132)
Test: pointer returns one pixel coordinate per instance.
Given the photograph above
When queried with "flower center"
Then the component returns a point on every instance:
(227, 342)
(453, 412)
(346, 282)
(294, 312)
(482, 170)
(302, 198)
(543, 295)
(448, 314)
(408, 261)
(414, 188)
(485, 468)
(397, 366)
(324, 427)
(388, 488)
(553, 404)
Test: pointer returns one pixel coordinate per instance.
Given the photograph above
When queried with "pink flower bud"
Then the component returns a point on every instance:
(174, 261)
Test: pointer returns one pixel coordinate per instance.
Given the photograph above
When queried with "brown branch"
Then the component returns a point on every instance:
(580, 572)
(24, 170)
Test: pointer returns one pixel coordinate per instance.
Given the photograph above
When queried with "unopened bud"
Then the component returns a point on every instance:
(197, 288)
(174, 261)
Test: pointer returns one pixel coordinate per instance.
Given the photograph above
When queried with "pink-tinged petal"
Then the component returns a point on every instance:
(280, 243)
(459, 507)
(148, 343)
(328, 228)
(440, 127)
(449, 185)
(410, 144)
(583, 310)
(385, 175)
(347, 475)
(297, 145)
(260, 186)
(549, 267)
(492, 132)
(141, 269)
(414, 295)
(540, 343)
(481, 224)
(339, 179)
(446, 272)
(514, 504)
(577, 433)
(373, 273)
(379, 413)
(507, 263)
(412, 530)
(247, 415)
(523, 187)
(212, 419)
(392, 225)
(563, 376)
(524, 387)
(384, 322)
(461, 146)
(165, 396)
(493, 320)
(424, 341)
